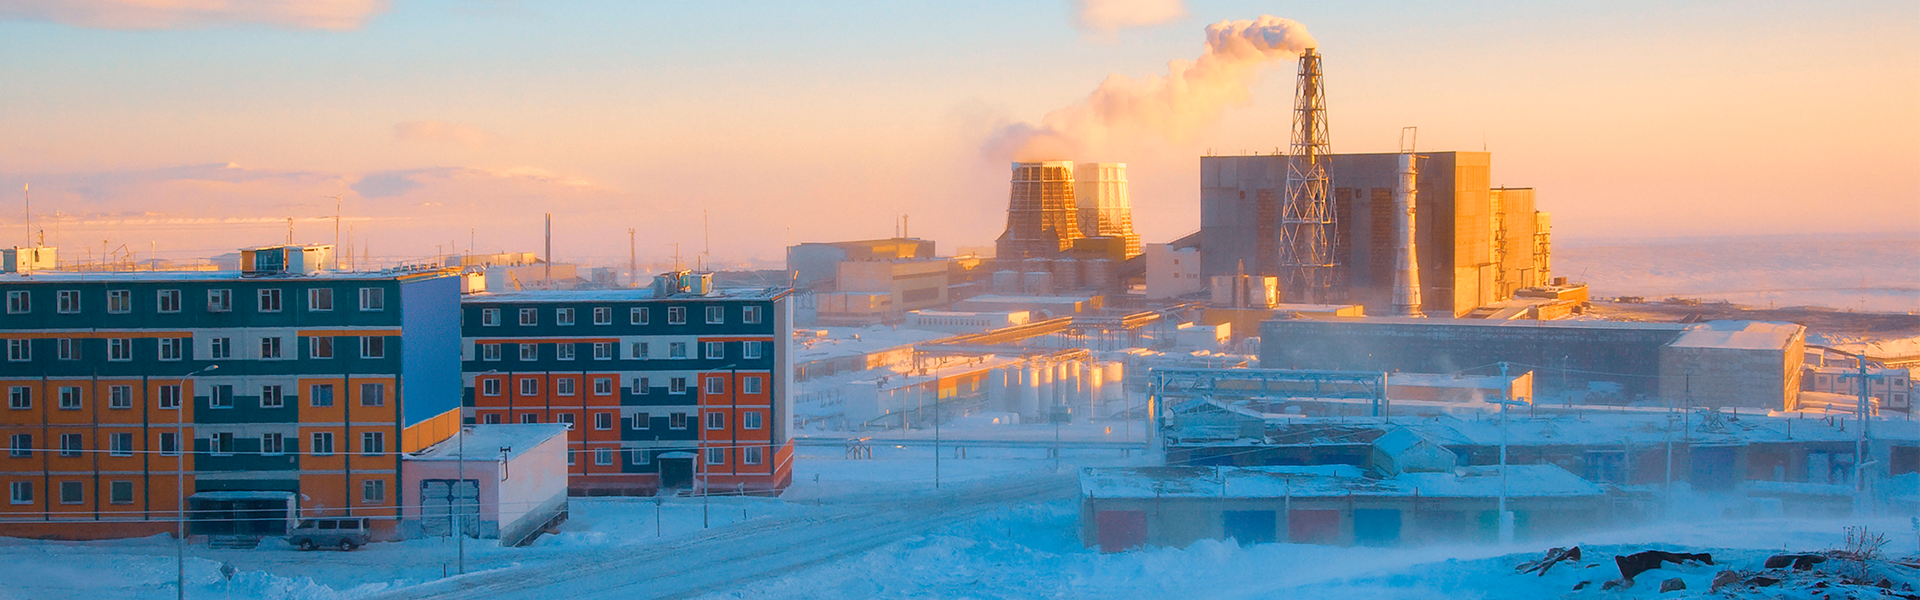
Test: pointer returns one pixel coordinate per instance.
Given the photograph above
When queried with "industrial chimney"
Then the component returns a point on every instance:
(1406, 272)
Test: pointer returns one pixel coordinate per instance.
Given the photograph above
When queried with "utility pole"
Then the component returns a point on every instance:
(549, 250)
(633, 263)
(336, 232)
(1506, 518)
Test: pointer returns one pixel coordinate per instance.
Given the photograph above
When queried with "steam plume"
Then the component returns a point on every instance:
(1173, 106)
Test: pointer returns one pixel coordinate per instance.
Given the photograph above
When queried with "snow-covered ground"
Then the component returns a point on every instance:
(1002, 524)
(1873, 273)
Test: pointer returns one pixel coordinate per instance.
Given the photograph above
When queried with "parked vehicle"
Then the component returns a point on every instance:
(344, 534)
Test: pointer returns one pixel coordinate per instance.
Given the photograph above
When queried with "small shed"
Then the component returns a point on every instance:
(506, 481)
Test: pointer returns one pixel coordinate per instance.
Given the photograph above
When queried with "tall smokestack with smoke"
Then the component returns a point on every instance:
(1174, 106)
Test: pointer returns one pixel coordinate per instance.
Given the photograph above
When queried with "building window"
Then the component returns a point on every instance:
(750, 314)
(322, 443)
(564, 419)
(170, 348)
(603, 386)
(750, 455)
(677, 385)
(320, 395)
(19, 350)
(676, 315)
(716, 315)
(749, 385)
(67, 302)
(373, 299)
(373, 443)
(373, 491)
(269, 348)
(220, 396)
(603, 421)
(676, 349)
(716, 349)
(120, 492)
(716, 456)
(750, 349)
(320, 299)
(716, 420)
(20, 397)
(603, 350)
(563, 386)
(273, 443)
(490, 418)
(168, 301)
(220, 444)
(637, 456)
(570, 454)
(19, 302)
(169, 443)
(641, 387)
(270, 300)
(320, 346)
(20, 492)
(373, 394)
(603, 456)
(563, 351)
(750, 419)
(602, 315)
(69, 444)
(636, 315)
(529, 387)
(120, 444)
(716, 385)
(529, 317)
(120, 349)
(69, 398)
(490, 317)
(72, 492)
(373, 346)
(218, 348)
(677, 421)
(120, 396)
(641, 421)
(639, 350)
(533, 418)
(529, 352)
(169, 397)
(271, 397)
(489, 387)
(563, 316)
(490, 352)
(20, 445)
(119, 301)
(219, 300)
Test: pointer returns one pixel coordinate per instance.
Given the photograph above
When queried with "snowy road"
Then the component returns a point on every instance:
(745, 552)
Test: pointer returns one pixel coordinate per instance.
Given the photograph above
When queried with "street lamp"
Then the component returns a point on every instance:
(453, 491)
(180, 483)
(1506, 518)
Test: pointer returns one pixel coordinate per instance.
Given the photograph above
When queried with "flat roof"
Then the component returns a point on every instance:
(1523, 481)
(137, 276)
(1006, 298)
(1440, 321)
(621, 295)
(1739, 335)
(483, 442)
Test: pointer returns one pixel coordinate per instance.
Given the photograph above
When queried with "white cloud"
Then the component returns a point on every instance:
(336, 15)
(1108, 16)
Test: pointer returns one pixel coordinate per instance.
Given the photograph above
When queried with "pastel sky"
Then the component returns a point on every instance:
(194, 127)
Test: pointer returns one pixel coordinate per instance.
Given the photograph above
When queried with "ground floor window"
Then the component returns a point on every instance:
(373, 491)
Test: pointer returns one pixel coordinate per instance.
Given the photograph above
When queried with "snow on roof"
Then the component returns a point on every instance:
(1556, 324)
(1739, 335)
(1522, 481)
(620, 295)
(1016, 299)
(854, 341)
(105, 276)
(483, 442)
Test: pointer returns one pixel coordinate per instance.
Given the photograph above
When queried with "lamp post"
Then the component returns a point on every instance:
(453, 491)
(180, 484)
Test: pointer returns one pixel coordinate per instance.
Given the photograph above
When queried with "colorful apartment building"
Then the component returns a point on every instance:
(298, 386)
(675, 387)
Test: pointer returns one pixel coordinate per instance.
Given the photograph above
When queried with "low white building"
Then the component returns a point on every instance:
(1173, 271)
(510, 480)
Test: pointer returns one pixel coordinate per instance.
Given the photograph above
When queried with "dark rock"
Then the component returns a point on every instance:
(1762, 581)
(1582, 585)
(1884, 583)
(1672, 585)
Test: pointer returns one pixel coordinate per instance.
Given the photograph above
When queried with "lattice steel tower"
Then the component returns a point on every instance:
(1308, 265)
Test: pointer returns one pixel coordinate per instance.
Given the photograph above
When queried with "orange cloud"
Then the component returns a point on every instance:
(1108, 16)
(335, 15)
(442, 132)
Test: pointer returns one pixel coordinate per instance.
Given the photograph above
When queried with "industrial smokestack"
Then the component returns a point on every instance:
(1173, 106)
(1406, 272)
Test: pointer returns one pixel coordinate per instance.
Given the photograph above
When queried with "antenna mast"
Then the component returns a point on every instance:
(1307, 262)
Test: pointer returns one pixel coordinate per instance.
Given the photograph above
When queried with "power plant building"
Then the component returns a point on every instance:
(1476, 243)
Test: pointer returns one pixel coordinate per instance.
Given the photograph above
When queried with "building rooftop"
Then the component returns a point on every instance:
(103, 276)
(1437, 321)
(835, 342)
(621, 295)
(1522, 481)
(483, 442)
(1739, 335)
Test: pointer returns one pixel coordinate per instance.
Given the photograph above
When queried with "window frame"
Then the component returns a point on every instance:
(563, 316)
(119, 302)
(19, 302)
(220, 300)
(603, 315)
(166, 301)
(319, 299)
(373, 394)
(320, 347)
(373, 299)
(373, 346)
(638, 315)
(270, 300)
(317, 399)
(66, 302)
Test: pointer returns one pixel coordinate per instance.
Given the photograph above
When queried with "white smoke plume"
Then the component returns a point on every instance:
(1175, 106)
(1108, 16)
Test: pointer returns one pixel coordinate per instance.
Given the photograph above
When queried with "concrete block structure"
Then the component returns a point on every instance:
(817, 262)
(1477, 243)
(289, 394)
(1745, 364)
(678, 386)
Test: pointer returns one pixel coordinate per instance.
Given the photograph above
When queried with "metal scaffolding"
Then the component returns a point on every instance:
(1308, 265)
